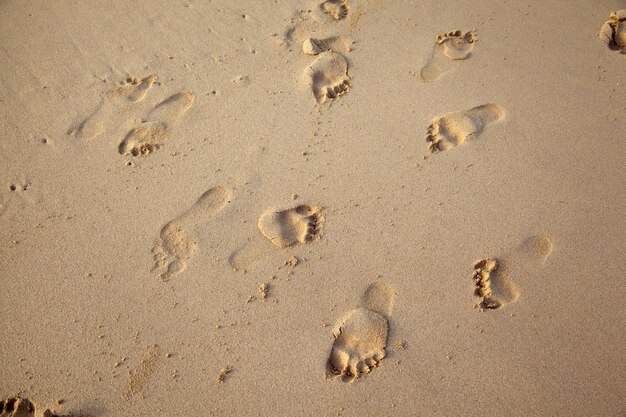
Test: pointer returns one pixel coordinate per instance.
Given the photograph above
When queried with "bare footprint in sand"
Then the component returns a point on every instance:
(315, 46)
(455, 128)
(613, 32)
(361, 335)
(132, 89)
(150, 136)
(176, 243)
(17, 407)
(451, 46)
(493, 283)
(328, 76)
(297, 225)
(337, 9)
(94, 125)
(283, 228)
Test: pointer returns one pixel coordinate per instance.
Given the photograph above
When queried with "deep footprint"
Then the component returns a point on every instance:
(458, 127)
(150, 136)
(176, 243)
(361, 336)
(17, 407)
(494, 287)
(298, 225)
(493, 284)
(328, 76)
(455, 46)
(613, 32)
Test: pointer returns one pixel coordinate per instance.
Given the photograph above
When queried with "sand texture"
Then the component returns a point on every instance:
(312, 208)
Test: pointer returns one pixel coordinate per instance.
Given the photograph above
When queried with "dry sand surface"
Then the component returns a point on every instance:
(312, 208)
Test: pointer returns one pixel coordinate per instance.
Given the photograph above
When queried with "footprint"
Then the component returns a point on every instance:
(339, 44)
(538, 247)
(493, 284)
(457, 127)
(328, 76)
(494, 287)
(150, 136)
(613, 32)
(17, 407)
(176, 243)
(301, 224)
(453, 46)
(361, 336)
(132, 89)
(92, 126)
(338, 9)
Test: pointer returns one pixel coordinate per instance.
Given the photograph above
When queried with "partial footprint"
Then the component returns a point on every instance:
(457, 127)
(176, 243)
(361, 336)
(493, 283)
(150, 136)
(538, 247)
(613, 32)
(339, 44)
(338, 9)
(328, 76)
(132, 89)
(297, 225)
(92, 126)
(453, 46)
(17, 407)
(494, 287)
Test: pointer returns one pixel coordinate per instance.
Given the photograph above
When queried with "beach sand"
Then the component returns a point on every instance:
(312, 208)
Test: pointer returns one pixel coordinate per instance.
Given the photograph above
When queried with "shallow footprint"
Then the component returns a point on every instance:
(132, 89)
(338, 9)
(493, 284)
(453, 46)
(613, 32)
(455, 128)
(176, 243)
(315, 46)
(328, 76)
(150, 136)
(301, 224)
(92, 126)
(361, 336)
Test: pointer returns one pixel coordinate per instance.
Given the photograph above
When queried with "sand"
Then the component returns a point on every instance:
(309, 208)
